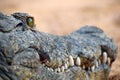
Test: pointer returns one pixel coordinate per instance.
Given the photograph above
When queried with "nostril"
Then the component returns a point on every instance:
(80, 53)
(109, 51)
(104, 48)
(44, 57)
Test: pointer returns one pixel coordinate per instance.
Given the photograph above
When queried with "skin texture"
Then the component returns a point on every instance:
(27, 54)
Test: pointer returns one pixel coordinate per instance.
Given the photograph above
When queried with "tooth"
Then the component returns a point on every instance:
(66, 66)
(96, 63)
(62, 68)
(104, 57)
(108, 61)
(71, 61)
(78, 61)
(99, 62)
(48, 63)
(51, 69)
(93, 68)
(58, 69)
(67, 63)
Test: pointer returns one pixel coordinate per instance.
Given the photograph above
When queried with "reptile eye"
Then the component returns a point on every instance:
(30, 21)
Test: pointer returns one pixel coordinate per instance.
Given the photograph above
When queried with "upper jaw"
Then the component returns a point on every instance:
(79, 66)
(81, 61)
(89, 56)
(78, 54)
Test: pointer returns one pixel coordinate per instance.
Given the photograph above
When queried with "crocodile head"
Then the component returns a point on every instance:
(85, 54)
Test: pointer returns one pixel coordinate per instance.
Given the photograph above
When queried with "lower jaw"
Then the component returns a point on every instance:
(75, 73)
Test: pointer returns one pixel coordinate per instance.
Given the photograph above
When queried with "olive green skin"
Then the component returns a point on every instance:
(23, 51)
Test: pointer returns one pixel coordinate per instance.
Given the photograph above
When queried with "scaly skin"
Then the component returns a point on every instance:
(27, 54)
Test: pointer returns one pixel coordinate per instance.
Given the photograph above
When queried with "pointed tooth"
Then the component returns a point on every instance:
(48, 68)
(78, 61)
(51, 69)
(93, 68)
(62, 68)
(67, 63)
(66, 66)
(58, 69)
(71, 61)
(108, 61)
(104, 57)
(99, 62)
(48, 63)
(96, 64)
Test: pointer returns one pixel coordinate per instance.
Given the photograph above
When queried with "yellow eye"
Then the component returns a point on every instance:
(30, 21)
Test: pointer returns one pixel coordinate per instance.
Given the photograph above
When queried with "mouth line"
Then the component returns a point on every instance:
(71, 62)
(79, 62)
